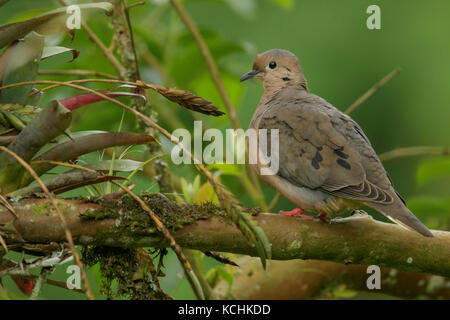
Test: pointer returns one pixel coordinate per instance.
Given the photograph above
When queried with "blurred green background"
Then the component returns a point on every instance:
(341, 59)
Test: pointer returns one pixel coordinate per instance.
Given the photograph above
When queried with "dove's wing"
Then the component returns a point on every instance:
(321, 148)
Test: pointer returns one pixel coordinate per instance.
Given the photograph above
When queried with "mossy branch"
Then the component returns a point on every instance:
(122, 223)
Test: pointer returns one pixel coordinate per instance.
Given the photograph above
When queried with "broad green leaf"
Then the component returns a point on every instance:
(206, 194)
(119, 165)
(190, 189)
(63, 138)
(433, 169)
(186, 190)
(17, 115)
(19, 63)
(227, 169)
(53, 51)
(48, 23)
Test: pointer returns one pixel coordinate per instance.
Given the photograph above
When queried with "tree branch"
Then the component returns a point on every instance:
(355, 240)
(372, 90)
(306, 279)
(414, 151)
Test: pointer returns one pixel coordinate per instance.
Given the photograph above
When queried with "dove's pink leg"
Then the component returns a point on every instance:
(323, 216)
(297, 212)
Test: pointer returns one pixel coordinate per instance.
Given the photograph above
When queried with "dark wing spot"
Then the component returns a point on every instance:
(302, 152)
(343, 164)
(319, 148)
(318, 157)
(286, 79)
(315, 164)
(341, 154)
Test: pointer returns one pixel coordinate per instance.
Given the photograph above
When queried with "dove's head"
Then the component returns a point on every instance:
(277, 68)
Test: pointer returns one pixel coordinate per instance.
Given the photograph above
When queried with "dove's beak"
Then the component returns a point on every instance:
(250, 75)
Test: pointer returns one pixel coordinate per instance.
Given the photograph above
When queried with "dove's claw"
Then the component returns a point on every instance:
(297, 212)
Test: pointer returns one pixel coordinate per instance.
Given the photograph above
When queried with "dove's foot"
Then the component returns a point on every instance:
(297, 212)
(323, 216)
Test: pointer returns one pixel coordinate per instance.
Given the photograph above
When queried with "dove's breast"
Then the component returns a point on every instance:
(306, 198)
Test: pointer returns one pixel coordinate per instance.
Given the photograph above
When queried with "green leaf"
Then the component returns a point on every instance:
(227, 169)
(63, 139)
(433, 169)
(48, 23)
(119, 165)
(186, 191)
(260, 240)
(206, 194)
(19, 63)
(196, 184)
(53, 51)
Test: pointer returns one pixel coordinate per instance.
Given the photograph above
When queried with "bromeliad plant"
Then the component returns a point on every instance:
(35, 138)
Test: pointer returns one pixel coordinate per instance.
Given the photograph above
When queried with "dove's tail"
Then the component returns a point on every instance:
(399, 213)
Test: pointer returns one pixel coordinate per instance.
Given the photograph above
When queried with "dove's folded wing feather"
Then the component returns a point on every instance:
(321, 148)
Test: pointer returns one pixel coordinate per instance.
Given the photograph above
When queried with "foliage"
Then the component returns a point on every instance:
(39, 46)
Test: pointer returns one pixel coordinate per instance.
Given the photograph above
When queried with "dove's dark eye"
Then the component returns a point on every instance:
(272, 64)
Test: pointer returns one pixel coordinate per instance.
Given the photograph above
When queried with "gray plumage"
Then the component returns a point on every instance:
(326, 162)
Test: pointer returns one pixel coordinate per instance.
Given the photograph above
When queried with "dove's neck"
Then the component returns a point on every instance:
(270, 94)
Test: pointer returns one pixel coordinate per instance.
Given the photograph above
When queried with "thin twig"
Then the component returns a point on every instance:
(214, 71)
(7, 205)
(140, 3)
(372, 90)
(76, 72)
(274, 201)
(414, 151)
(108, 54)
(64, 164)
(41, 279)
(220, 258)
(3, 243)
(183, 98)
(215, 75)
(3, 2)
(118, 194)
(175, 247)
(67, 232)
